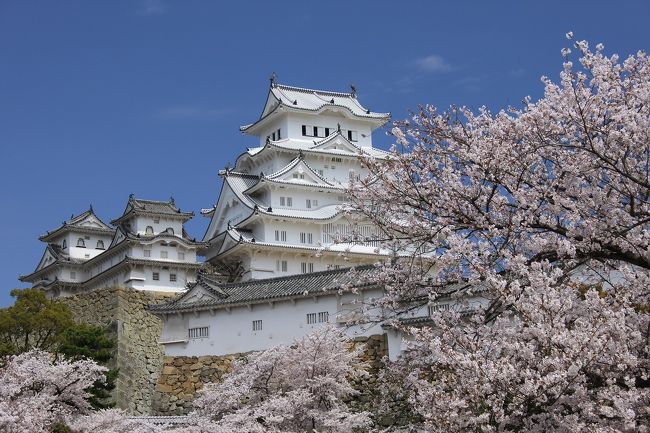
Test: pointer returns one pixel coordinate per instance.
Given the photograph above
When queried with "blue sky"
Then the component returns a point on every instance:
(102, 99)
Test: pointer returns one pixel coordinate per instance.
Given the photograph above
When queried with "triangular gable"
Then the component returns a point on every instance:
(299, 172)
(49, 257)
(336, 142)
(232, 205)
(198, 293)
(118, 237)
(88, 219)
(270, 104)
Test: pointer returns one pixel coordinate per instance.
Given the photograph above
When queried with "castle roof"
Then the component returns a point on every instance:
(207, 293)
(283, 98)
(136, 206)
(85, 222)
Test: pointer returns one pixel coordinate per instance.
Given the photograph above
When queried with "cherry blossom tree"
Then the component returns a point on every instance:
(297, 388)
(543, 212)
(36, 392)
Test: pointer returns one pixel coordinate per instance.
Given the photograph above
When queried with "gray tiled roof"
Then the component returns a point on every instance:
(155, 207)
(256, 291)
(75, 224)
(312, 100)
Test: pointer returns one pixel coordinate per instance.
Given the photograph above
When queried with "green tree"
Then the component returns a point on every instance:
(91, 342)
(32, 322)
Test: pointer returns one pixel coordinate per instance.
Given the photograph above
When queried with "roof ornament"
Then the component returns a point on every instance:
(172, 201)
(295, 102)
(71, 216)
(338, 127)
(131, 196)
(270, 209)
(300, 155)
(241, 238)
(353, 89)
(367, 111)
(273, 79)
(268, 140)
(261, 175)
(332, 101)
(91, 207)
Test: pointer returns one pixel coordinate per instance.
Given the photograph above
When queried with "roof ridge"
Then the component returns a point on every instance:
(308, 90)
(297, 276)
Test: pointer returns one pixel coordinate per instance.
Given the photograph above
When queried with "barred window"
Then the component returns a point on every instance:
(201, 332)
(438, 308)
(320, 317)
(257, 325)
(172, 278)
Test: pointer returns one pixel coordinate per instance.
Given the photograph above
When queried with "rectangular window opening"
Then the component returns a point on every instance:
(257, 325)
(201, 332)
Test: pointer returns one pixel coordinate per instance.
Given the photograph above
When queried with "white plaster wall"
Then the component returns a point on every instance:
(232, 332)
(139, 225)
(90, 250)
(296, 120)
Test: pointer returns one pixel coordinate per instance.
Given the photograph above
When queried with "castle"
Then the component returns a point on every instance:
(283, 245)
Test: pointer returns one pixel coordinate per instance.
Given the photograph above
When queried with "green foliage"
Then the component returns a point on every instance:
(91, 342)
(32, 322)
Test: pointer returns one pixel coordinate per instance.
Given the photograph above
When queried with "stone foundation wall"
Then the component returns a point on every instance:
(183, 376)
(138, 356)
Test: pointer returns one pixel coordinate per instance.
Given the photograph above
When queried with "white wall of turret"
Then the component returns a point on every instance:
(260, 326)
(83, 246)
(291, 126)
(278, 262)
(148, 226)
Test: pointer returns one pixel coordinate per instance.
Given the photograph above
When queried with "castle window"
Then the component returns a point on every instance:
(65, 244)
(281, 265)
(289, 201)
(304, 130)
(352, 136)
(320, 172)
(163, 254)
(181, 256)
(201, 332)
(257, 325)
(306, 267)
(147, 253)
(156, 276)
(315, 131)
(438, 308)
(337, 159)
(170, 230)
(278, 134)
(172, 278)
(320, 317)
(327, 132)
(81, 243)
(308, 203)
(283, 201)
(281, 235)
(148, 230)
(156, 220)
(306, 238)
(100, 245)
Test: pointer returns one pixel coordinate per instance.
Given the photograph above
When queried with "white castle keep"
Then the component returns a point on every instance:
(283, 200)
